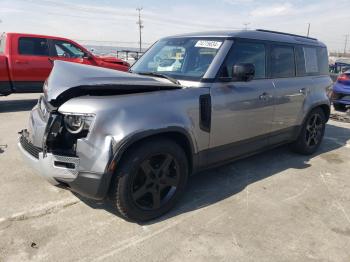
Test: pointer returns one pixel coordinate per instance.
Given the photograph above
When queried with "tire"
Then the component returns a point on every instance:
(311, 133)
(339, 107)
(151, 178)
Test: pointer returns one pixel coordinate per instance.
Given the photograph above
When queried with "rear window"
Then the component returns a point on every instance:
(33, 46)
(282, 61)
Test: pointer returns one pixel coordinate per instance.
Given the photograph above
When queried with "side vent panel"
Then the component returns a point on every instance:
(205, 112)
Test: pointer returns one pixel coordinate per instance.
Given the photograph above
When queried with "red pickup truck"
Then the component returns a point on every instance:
(26, 60)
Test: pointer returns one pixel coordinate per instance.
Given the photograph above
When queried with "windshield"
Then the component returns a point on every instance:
(180, 58)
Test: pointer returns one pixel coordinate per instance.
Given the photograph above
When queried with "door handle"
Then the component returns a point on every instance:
(21, 62)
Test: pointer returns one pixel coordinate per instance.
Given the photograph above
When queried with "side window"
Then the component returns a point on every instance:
(311, 63)
(33, 46)
(282, 61)
(311, 60)
(67, 49)
(322, 55)
(300, 61)
(242, 52)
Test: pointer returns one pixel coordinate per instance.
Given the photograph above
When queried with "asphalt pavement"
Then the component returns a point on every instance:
(274, 206)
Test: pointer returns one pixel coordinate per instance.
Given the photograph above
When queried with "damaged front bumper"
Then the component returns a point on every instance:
(51, 167)
(64, 170)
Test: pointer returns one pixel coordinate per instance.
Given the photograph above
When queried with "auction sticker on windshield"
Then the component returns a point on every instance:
(208, 44)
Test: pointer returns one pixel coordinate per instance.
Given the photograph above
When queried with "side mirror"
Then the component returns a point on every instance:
(243, 72)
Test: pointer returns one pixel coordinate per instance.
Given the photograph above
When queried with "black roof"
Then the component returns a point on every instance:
(259, 34)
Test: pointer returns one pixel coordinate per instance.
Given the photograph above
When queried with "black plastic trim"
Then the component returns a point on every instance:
(96, 186)
(148, 133)
(282, 33)
(219, 155)
(205, 112)
(90, 185)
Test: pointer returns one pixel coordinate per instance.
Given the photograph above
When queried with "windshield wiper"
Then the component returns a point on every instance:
(173, 80)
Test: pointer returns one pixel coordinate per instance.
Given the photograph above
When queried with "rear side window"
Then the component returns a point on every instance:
(242, 52)
(33, 46)
(282, 61)
(300, 61)
(311, 61)
(322, 55)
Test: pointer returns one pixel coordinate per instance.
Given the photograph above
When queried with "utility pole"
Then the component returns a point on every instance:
(139, 22)
(308, 30)
(346, 43)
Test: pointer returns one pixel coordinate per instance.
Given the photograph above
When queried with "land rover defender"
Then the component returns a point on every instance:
(190, 102)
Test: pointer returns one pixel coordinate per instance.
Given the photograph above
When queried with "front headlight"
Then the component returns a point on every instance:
(76, 124)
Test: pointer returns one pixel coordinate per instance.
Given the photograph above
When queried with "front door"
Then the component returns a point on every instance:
(242, 112)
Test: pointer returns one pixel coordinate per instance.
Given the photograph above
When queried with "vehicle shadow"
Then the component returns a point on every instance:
(9, 106)
(212, 186)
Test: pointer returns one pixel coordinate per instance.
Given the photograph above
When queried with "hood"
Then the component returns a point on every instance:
(68, 80)
(113, 60)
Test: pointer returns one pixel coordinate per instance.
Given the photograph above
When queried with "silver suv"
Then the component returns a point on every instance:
(191, 102)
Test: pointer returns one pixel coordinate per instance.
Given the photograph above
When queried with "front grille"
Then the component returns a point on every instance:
(30, 148)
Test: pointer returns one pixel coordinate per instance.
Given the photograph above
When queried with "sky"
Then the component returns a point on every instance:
(113, 22)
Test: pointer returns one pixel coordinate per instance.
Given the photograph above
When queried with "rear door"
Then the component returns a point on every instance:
(241, 111)
(30, 63)
(290, 91)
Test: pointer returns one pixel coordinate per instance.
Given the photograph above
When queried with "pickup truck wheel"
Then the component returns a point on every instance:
(150, 180)
(311, 133)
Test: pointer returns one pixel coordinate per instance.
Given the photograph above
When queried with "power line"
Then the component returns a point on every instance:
(140, 23)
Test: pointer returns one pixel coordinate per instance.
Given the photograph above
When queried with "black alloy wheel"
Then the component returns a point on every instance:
(150, 179)
(311, 133)
(314, 130)
(155, 181)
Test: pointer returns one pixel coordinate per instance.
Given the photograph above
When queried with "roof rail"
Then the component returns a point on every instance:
(281, 33)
